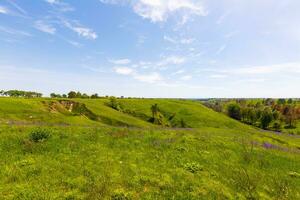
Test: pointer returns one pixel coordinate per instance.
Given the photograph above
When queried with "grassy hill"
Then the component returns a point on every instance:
(83, 149)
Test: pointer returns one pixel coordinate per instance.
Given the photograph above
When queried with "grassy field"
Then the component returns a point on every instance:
(95, 152)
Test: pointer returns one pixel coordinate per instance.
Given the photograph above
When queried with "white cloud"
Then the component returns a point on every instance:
(178, 72)
(231, 34)
(123, 70)
(3, 10)
(80, 30)
(172, 60)
(121, 61)
(218, 76)
(221, 49)
(16, 6)
(148, 78)
(60, 5)
(186, 78)
(268, 69)
(223, 17)
(44, 27)
(169, 39)
(179, 41)
(161, 10)
(52, 1)
(14, 32)
(74, 43)
(187, 40)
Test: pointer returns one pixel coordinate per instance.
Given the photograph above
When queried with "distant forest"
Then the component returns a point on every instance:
(269, 114)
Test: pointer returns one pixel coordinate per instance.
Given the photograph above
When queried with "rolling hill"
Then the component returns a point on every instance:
(84, 149)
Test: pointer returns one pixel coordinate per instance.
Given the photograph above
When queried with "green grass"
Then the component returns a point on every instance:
(217, 158)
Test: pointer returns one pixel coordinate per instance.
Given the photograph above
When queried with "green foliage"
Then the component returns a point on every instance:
(113, 103)
(234, 111)
(21, 93)
(193, 167)
(72, 94)
(266, 118)
(120, 195)
(270, 114)
(39, 135)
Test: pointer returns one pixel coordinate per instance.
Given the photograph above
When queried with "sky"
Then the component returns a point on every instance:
(152, 48)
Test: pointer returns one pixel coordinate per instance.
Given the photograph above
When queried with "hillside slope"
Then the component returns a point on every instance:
(96, 112)
(77, 149)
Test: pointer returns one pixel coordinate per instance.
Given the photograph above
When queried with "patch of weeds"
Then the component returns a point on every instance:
(263, 162)
(119, 133)
(193, 167)
(246, 182)
(248, 153)
(280, 189)
(181, 149)
(294, 174)
(39, 135)
(120, 195)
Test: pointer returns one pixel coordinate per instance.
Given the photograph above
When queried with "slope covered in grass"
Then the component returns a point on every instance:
(114, 163)
(94, 158)
(136, 112)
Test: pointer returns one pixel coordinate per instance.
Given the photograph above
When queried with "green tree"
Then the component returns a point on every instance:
(94, 96)
(85, 96)
(234, 111)
(72, 94)
(78, 95)
(281, 101)
(266, 118)
(113, 103)
(290, 115)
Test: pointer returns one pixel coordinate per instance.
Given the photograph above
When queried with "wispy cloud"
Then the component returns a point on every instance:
(148, 78)
(221, 49)
(16, 6)
(124, 61)
(44, 27)
(3, 10)
(14, 32)
(60, 5)
(82, 31)
(171, 60)
(143, 77)
(162, 10)
(217, 76)
(178, 72)
(223, 17)
(186, 78)
(292, 68)
(123, 70)
(269, 69)
(231, 34)
(74, 43)
(179, 41)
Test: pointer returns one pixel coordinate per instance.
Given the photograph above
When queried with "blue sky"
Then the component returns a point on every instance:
(152, 48)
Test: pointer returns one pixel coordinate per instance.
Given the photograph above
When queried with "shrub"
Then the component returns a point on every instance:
(120, 196)
(39, 135)
(193, 167)
(234, 111)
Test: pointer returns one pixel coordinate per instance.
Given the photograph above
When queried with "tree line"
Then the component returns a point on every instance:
(73, 94)
(270, 114)
(20, 93)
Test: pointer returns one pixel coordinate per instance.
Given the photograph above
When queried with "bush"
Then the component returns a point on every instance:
(193, 167)
(119, 195)
(234, 111)
(39, 135)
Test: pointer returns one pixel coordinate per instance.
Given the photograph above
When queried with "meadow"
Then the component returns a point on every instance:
(85, 149)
